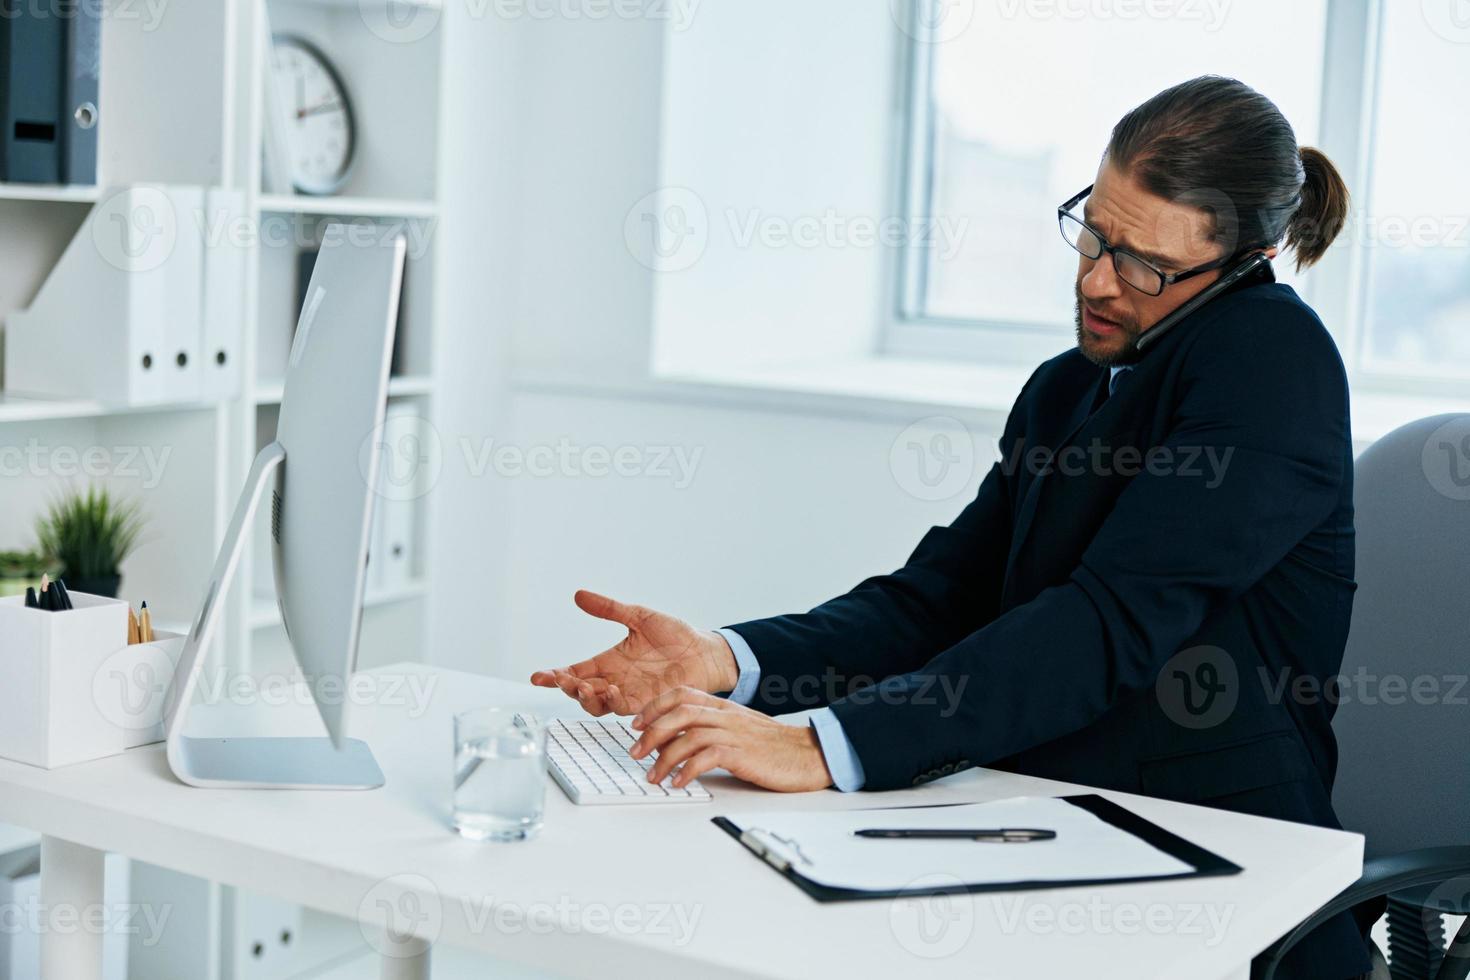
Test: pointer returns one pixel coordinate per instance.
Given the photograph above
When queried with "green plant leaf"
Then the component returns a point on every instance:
(89, 534)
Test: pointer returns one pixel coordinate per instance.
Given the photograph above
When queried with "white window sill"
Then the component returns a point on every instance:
(908, 388)
(858, 387)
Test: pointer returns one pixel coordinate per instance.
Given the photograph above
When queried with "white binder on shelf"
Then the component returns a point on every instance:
(223, 295)
(97, 328)
(400, 486)
(183, 295)
(136, 297)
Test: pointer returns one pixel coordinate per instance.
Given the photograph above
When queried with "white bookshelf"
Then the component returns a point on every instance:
(182, 105)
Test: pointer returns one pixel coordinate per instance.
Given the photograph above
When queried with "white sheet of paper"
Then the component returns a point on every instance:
(821, 846)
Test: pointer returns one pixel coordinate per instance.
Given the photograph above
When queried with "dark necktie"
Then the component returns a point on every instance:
(1117, 381)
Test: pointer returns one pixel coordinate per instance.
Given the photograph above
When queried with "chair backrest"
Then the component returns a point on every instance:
(1403, 725)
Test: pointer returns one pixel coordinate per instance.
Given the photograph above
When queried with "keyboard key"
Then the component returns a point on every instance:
(590, 761)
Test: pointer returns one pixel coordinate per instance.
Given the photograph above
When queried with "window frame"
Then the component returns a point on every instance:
(1338, 286)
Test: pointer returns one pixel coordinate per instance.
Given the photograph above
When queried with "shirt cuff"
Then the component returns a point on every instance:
(745, 662)
(842, 760)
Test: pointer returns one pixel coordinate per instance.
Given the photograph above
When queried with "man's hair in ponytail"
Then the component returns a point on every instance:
(1219, 145)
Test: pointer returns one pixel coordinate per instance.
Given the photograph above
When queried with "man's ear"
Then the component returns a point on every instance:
(1271, 252)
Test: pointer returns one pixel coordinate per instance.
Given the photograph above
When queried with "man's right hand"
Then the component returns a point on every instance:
(659, 654)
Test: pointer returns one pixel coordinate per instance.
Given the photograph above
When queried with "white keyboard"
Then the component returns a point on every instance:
(590, 761)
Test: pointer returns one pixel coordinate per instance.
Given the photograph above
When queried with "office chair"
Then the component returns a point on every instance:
(1404, 776)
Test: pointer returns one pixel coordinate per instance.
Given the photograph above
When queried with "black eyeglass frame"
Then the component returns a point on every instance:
(1166, 279)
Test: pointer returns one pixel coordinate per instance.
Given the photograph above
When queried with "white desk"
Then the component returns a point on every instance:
(601, 891)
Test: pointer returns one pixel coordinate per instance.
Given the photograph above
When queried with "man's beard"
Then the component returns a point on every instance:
(1127, 354)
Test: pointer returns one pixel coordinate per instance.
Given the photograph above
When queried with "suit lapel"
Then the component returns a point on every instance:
(1086, 408)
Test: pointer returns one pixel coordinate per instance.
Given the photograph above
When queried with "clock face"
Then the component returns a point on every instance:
(319, 120)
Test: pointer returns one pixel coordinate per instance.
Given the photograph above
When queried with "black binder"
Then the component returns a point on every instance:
(50, 68)
(82, 72)
(1202, 863)
(32, 48)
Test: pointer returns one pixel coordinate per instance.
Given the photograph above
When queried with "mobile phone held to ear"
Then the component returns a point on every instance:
(1250, 266)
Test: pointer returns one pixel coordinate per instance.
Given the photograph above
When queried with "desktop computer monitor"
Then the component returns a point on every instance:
(321, 470)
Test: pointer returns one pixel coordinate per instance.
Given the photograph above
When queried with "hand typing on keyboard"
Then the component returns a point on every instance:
(590, 761)
(665, 670)
(694, 732)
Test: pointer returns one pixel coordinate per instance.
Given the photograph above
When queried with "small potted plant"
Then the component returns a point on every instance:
(19, 569)
(88, 535)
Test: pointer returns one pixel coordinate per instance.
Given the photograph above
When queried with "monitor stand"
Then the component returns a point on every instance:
(258, 762)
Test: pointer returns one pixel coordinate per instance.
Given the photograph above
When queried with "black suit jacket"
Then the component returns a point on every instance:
(1143, 596)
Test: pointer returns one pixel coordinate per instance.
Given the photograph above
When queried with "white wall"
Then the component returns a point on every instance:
(559, 138)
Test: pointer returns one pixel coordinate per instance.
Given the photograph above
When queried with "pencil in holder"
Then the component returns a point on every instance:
(74, 689)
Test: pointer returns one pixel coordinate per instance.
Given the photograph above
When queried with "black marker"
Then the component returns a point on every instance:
(1003, 835)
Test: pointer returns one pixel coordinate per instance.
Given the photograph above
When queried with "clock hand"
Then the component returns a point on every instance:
(316, 110)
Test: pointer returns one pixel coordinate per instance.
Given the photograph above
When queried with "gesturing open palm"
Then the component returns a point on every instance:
(660, 653)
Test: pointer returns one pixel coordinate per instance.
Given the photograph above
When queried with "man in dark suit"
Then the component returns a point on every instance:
(1163, 551)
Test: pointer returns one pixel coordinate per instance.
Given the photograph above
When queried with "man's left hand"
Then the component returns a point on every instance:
(695, 732)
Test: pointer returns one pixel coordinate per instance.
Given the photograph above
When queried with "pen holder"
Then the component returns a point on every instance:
(73, 688)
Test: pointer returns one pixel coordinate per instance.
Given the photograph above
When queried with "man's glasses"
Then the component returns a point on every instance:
(1135, 270)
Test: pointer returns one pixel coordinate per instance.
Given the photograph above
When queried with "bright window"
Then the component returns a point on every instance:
(1415, 231)
(1015, 108)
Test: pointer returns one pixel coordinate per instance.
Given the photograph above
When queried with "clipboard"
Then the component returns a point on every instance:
(1200, 863)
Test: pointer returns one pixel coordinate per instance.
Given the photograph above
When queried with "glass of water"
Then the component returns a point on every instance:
(499, 774)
